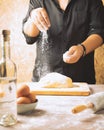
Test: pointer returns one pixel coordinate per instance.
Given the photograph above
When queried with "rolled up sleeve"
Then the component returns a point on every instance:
(32, 5)
(97, 18)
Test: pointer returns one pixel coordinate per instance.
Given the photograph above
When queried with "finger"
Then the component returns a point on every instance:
(71, 50)
(42, 21)
(46, 18)
(38, 24)
(72, 58)
(66, 57)
(68, 54)
(38, 19)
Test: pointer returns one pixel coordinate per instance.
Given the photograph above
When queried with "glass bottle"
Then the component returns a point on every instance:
(8, 107)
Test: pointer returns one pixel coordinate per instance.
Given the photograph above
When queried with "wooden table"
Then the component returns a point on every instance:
(54, 113)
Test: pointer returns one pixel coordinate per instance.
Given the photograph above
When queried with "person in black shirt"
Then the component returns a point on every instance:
(66, 33)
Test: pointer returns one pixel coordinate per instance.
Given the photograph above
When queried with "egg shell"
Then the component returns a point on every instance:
(23, 90)
(32, 96)
(2, 94)
(23, 100)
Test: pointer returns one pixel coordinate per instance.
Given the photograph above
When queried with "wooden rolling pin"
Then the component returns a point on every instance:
(82, 107)
(94, 102)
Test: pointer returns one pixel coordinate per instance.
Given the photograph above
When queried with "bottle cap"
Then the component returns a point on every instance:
(6, 32)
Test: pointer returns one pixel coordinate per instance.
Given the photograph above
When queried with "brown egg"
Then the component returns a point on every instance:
(32, 96)
(2, 94)
(23, 100)
(23, 90)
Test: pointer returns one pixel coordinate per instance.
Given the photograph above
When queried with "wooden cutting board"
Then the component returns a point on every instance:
(78, 89)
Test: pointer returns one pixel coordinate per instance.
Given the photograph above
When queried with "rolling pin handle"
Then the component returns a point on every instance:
(81, 108)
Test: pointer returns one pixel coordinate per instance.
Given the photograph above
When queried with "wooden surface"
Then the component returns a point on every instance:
(54, 113)
(78, 89)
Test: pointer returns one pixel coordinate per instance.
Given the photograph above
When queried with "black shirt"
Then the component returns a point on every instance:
(70, 27)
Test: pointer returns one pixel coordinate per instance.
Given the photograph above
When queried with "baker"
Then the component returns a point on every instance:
(66, 33)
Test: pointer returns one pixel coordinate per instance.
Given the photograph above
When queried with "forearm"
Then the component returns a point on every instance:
(30, 28)
(76, 52)
(92, 42)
